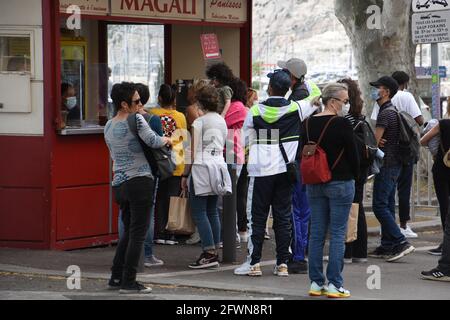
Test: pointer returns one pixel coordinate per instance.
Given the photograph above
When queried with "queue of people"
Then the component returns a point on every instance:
(272, 144)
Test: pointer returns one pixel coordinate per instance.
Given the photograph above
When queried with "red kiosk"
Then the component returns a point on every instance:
(55, 174)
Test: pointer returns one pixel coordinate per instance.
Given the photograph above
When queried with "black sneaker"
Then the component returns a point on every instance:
(379, 253)
(400, 251)
(437, 251)
(114, 284)
(436, 275)
(205, 261)
(136, 288)
(297, 267)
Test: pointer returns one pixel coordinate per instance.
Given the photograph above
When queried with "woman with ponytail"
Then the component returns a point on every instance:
(174, 127)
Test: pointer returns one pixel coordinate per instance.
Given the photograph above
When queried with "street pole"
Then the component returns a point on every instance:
(435, 82)
(229, 221)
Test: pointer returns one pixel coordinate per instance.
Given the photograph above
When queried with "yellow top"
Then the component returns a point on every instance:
(175, 127)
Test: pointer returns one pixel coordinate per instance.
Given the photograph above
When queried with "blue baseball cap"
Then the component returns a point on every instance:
(280, 80)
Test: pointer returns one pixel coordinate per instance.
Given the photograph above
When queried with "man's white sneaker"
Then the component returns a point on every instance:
(408, 233)
(248, 270)
(281, 270)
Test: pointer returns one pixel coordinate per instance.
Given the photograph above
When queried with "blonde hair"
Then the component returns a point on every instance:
(199, 84)
(251, 93)
(330, 91)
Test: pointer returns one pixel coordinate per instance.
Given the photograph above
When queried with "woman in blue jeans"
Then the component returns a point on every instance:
(209, 133)
(331, 202)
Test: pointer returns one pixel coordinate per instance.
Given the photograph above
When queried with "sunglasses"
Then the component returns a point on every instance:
(136, 102)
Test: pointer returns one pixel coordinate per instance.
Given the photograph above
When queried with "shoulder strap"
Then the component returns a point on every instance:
(325, 129)
(338, 159)
(307, 130)
(132, 123)
(283, 152)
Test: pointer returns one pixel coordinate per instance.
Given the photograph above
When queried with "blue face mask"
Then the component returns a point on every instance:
(71, 103)
(375, 94)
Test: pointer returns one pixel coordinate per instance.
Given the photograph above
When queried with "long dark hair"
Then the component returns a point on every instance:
(239, 88)
(354, 95)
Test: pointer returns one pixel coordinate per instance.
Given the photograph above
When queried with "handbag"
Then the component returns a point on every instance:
(180, 219)
(352, 226)
(160, 160)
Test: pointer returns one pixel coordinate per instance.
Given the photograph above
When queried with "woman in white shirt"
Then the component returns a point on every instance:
(208, 175)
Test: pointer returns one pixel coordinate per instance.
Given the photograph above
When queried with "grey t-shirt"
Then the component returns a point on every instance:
(225, 94)
(126, 151)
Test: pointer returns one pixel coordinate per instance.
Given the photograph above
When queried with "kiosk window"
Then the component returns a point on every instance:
(84, 79)
(90, 67)
(15, 54)
(136, 54)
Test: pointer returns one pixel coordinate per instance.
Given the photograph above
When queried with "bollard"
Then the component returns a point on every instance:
(229, 221)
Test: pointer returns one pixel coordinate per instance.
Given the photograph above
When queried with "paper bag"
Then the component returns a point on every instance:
(352, 227)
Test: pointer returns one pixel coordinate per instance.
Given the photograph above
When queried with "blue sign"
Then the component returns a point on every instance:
(427, 72)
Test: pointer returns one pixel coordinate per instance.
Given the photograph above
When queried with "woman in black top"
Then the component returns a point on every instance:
(441, 177)
(331, 202)
(356, 251)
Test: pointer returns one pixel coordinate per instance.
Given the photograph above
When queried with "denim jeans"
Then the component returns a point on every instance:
(206, 217)
(135, 198)
(384, 206)
(148, 243)
(404, 192)
(330, 208)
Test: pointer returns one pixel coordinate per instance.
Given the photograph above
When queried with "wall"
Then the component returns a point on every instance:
(24, 163)
(187, 55)
(26, 15)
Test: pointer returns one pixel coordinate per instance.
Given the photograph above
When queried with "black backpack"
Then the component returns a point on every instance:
(160, 160)
(409, 140)
(367, 143)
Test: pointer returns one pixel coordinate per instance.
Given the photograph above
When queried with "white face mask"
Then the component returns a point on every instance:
(346, 109)
(339, 113)
(71, 103)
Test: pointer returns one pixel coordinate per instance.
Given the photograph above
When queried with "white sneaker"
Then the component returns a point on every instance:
(281, 270)
(244, 236)
(337, 293)
(194, 239)
(153, 262)
(247, 269)
(348, 261)
(408, 233)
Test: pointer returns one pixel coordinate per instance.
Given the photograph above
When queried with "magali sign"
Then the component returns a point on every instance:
(88, 7)
(176, 9)
(226, 10)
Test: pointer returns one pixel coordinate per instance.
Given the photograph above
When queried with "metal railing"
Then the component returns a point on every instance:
(423, 194)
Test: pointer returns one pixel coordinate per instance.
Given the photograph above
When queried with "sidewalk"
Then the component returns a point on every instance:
(96, 263)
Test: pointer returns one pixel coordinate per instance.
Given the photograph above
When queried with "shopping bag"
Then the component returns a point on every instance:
(352, 227)
(180, 219)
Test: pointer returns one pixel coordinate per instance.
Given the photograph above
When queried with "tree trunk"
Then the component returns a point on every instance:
(379, 52)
